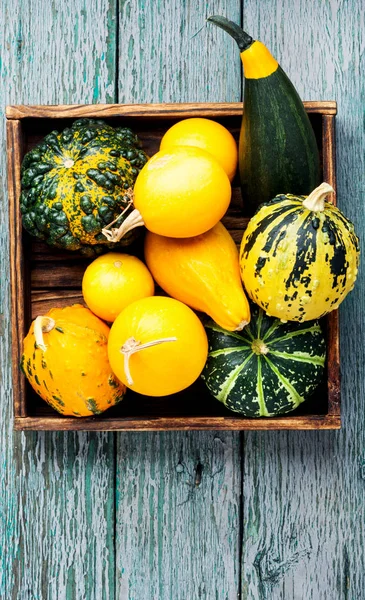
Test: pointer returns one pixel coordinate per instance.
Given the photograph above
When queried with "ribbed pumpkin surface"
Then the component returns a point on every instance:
(298, 264)
(74, 183)
(267, 369)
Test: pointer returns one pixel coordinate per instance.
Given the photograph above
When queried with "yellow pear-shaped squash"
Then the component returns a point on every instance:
(203, 272)
(157, 346)
(65, 360)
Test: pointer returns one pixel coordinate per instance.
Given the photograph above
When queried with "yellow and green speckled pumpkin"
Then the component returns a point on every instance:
(76, 182)
(299, 256)
(65, 360)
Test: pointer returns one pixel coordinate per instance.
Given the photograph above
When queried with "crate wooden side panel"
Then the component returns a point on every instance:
(156, 110)
(333, 334)
(177, 423)
(52, 277)
(18, 268)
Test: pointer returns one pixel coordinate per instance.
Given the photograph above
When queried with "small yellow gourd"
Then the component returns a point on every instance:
(202, 272)
(180, 192)
(114, 280)
(157, 346)
(66, 362)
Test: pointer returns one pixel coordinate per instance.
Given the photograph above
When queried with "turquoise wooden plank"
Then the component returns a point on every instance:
(57, 499)
(304, 492)
(178, 494)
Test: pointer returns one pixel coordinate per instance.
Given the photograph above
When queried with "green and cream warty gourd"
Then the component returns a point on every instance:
(76, 182)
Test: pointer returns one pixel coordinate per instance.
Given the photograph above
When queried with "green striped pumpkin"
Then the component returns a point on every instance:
(267, 369)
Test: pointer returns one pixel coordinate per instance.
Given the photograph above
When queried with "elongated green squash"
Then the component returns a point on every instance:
(278, 152)
(268, 368)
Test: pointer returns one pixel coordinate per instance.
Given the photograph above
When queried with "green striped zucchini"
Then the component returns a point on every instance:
(278, 151)
(267, 369)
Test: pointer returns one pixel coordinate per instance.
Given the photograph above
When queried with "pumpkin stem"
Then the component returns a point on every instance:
(42, 325)
(315, 200)
(133, 220)
(259, 347)
(242, 38)
(132, 346)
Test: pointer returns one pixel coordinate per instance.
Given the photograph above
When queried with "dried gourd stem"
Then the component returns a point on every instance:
(131, 222)
(315, 200)
(114, 234)
(42, 325)
(242, 325)
(132, 346)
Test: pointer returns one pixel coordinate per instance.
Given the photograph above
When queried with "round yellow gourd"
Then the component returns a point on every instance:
(202, 272)
(208, 135)
(157, 346)
(65, 360)
(113, 281)
(180, 192)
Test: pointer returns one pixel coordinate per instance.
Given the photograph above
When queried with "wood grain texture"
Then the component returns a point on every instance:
(170, 109)
(18, 270)
(179, 514)
(162, 423)
(57, 501)
(164, 550)
(304, 492)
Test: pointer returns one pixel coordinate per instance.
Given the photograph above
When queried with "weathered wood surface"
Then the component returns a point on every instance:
(178, 495)
(57, 497)
(180, 515)
(304, 508)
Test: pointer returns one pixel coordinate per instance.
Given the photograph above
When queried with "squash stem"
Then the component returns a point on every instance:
(42, 325)
(242, 38)
(114, 234)
(132, 346)
(315, 200)
(259, 347)
(241, 325)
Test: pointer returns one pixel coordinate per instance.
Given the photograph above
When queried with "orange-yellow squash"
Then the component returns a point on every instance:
(202, 272)
(65, 360)
(157, 346)
(180, 192)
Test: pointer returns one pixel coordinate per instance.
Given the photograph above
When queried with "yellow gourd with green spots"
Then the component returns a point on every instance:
(65, 360)
(299, 256)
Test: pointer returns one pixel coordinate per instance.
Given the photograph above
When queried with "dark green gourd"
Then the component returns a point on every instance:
(76, 182)
(268, 368)
(278, 153)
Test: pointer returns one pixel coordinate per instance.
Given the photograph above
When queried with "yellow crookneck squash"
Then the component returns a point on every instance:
(66, 362)
(203, 272)
(299, 256)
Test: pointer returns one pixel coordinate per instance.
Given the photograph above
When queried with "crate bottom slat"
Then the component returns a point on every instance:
(176, 424)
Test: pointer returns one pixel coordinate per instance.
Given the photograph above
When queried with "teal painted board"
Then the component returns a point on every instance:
(178, 516)
(178, 494)
(303, 493)
(57, 490)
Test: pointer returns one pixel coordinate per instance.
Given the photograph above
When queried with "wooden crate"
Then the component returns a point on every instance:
(42, 277)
